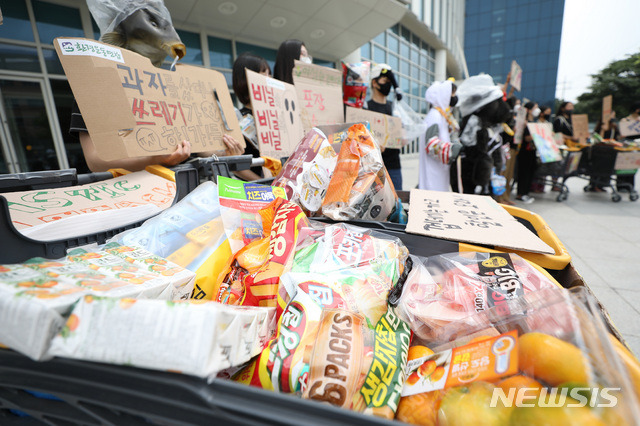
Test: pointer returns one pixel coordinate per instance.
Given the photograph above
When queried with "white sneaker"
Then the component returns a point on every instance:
(526, 199)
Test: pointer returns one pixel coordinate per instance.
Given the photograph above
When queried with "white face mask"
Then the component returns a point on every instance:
(306, 59)
(536, 112)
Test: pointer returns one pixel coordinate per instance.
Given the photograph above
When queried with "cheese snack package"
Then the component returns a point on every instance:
(340, 279)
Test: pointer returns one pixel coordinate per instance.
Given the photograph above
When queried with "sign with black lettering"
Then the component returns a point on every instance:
(469, 218)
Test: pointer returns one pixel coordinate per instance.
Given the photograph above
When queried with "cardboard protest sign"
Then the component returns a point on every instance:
(133, 109)
(629, 127)
(572, 163)
(580, 124)
(31, 208)
(516, 76)
(627, 160)
(276, 110)
(386, 129)
(521, 122)
(469, 218)
(319, 91)
(607, 102)
(542, 134)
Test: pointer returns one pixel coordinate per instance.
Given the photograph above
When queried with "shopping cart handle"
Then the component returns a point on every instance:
(86, 178)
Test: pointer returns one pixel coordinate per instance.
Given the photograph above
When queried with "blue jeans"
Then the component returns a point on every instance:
(396, 178)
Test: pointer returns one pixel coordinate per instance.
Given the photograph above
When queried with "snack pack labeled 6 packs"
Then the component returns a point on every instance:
(360, 187)
(452, 287)
(189, 234)
(338, 341)
(546, 359)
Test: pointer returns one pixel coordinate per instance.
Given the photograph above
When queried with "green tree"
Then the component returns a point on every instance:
(621, 79)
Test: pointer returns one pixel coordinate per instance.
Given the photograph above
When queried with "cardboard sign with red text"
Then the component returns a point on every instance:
(134, 109)
(276, 110)
(580, 124)
(319, 92)
(627, 160)
(386, 129)
(607, 102)
(516, 76)
(31, 208)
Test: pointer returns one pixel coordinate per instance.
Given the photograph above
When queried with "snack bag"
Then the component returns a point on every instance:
(452, 287)
(566, 373)
(336, 293)
(189, 234)
(239, 206)
(308, 170)
(254, 275)
(360, 187)
(355, 81)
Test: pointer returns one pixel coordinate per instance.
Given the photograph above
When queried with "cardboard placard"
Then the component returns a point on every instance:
(319, 91)
(627, 160)
(276, 110)
(542, 134)
(629, 127)
(386, 129)
(572, 163)
(607, 102)
(521, 122)
(516, 76)
(469, 218)
(31, 208)
(580, 124)
(134, 109)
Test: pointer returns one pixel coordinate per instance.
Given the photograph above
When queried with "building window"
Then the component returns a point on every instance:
(53, 20)
(220, 53)
(265, 52)
(19, 58)
(16, 23)
(194, 50)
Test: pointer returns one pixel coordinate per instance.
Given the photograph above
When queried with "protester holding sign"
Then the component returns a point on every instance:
(562, 123)
(436, 150)
(288, 52)
(546, 169)
(526, 160)
(247, 122)
(382, 79)
(630, 124)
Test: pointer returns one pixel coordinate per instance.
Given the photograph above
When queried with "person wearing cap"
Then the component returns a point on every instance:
(382, 79)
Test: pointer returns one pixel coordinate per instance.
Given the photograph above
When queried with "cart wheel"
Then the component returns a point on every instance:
(561, 197)
(587, 188)
(633, 196)
(616, 198)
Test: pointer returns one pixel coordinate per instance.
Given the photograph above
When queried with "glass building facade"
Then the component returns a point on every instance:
(527, 31)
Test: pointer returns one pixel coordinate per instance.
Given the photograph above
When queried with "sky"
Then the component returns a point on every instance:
(594, 33)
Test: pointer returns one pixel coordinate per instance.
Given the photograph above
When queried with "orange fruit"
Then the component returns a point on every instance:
(413, 378)
(158, 268)
(551, 360)
(88, 299)
(437, 374)
(125, 275)
(427, 368)
(518, 381)
(48, 284)
(72, 322)
(418, 351)
(420, 409)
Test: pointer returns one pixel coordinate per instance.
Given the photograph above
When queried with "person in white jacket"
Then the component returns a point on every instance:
(436, 150)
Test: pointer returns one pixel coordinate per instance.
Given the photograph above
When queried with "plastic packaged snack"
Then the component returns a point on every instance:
(253, 275)
(452, 287)
(190, 337)
(308, 170)
(239, 206)
(566, 373)
(338, 288)
(189, 234)
(413, 125)
(355, 81)
(360, 187)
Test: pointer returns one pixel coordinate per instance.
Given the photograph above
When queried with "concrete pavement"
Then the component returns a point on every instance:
(602, 237)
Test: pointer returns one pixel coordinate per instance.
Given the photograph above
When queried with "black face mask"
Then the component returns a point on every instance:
(453, 101)
(546, 116)
(568, 112)
(384, 88)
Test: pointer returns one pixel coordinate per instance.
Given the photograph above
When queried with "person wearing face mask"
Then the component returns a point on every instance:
(562, 123)
(382, 80)
(288, 52)
(526, 160)
(546, 169)
(436, 150)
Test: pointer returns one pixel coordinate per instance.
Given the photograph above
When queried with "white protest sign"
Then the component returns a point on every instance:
(542, 134)
(516, 75)
(629, 127)
(469, 218)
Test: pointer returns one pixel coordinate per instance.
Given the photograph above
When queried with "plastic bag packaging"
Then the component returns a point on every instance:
(253, 276)
(335, 322)
(307, 172)
(498, 183)
(190, 337)
(476, 92)
(547, 360)
(360, 187)
(108, 14)
(355, 81)
(451, 288)
(36, 295)
(413, 126)
(189, 234)
(239, 206)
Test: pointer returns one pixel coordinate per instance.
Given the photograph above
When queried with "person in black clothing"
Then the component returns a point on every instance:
(562, 123)
(526, 160)
(382, 79)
